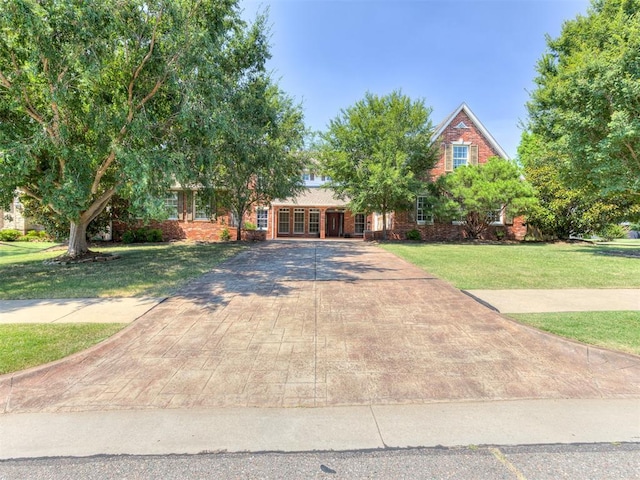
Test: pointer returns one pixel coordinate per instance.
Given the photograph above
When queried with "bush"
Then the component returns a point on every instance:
(250, 226)
(612, 231)
(34, 236)
(142, 235)
(225, 236)
(413, 235)
(9, 235)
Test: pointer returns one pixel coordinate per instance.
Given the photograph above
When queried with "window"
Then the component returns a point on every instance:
(460, 155)
(298, 220)
(423, 211)
(308, 177)
(202, 207)
(283, 220)
(359, 223)
(171, 205)
(262, 218)
(495, 217)
(314, 220)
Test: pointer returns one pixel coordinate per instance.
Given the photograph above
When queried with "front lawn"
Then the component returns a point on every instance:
(151, 270)
(25, 346)
(614, 330)
(527, 265)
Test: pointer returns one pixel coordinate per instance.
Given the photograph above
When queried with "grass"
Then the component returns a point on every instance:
(151, 270)
(10, 249)
(24, 346)
(614, 330)
(512, 266)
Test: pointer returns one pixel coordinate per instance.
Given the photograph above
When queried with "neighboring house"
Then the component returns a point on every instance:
(13, 219)
(316, 213)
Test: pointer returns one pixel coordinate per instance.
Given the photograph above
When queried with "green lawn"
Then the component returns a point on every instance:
(513, 266)
(24, 346)
(489, 266)
(614, 330)
(153, 270)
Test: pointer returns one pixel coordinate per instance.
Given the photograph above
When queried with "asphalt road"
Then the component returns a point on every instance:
(593, 461)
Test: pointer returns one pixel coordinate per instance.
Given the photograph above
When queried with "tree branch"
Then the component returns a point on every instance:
(4, 81)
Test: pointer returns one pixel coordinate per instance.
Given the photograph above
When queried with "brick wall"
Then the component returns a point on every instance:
(468, 135)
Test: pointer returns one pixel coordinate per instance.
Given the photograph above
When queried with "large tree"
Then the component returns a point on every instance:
(97, 97)
(585, 106)
(479, 194)
(256, 158)
(564, 209)
(378, 151)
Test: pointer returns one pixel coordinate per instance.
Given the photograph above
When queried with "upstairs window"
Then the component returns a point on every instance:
(460, 155)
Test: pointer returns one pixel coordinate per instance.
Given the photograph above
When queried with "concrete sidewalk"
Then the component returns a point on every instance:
(194, 431)
(126, 310)
(76, 310)
(559, 300)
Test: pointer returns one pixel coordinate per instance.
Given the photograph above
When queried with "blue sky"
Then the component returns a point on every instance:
(328, 53)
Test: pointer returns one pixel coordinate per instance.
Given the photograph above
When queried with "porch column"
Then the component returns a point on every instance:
(323, 222)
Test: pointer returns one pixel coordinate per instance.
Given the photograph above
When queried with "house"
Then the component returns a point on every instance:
(14, 219)
(317, 213)
(463, 140)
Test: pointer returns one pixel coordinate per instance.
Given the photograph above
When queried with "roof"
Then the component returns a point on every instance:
(463, 106)
(313, 197)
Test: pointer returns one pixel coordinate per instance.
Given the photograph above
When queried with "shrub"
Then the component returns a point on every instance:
(9, 235)
(413, 235)
(612, 231)
(34, 236)
(225, 236)
(142, 235)
(250, 226)
(500, 233)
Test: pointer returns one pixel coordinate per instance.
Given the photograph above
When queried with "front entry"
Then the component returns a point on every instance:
(335, 221)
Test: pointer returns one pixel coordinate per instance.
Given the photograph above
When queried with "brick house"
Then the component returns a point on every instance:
(316, 213)
(463, 140)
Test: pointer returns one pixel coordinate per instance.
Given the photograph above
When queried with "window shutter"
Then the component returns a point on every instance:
(448, 158)
(180, 205)
(473, 154)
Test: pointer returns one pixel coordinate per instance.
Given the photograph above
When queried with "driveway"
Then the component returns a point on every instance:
(311, 324)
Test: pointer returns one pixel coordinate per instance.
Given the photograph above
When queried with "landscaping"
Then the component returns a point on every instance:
(143, 270)
(529, 265)
(152, 270)
(614, 330)
(25, 346)
(544, 266)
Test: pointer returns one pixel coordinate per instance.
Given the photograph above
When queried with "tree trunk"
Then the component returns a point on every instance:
(78, 239)
(240, 224)
(384, 225)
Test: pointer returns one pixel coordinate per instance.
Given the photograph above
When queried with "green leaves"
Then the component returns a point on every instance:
(377, 151)
(114, 96)
(476, 193)
(586, 106)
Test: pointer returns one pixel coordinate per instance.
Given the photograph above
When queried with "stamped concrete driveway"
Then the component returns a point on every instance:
(314, 324)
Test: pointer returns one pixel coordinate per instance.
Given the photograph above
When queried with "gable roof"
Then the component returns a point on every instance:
(463, 106)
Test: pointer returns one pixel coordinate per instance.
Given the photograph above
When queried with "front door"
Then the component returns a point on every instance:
(334, 224)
